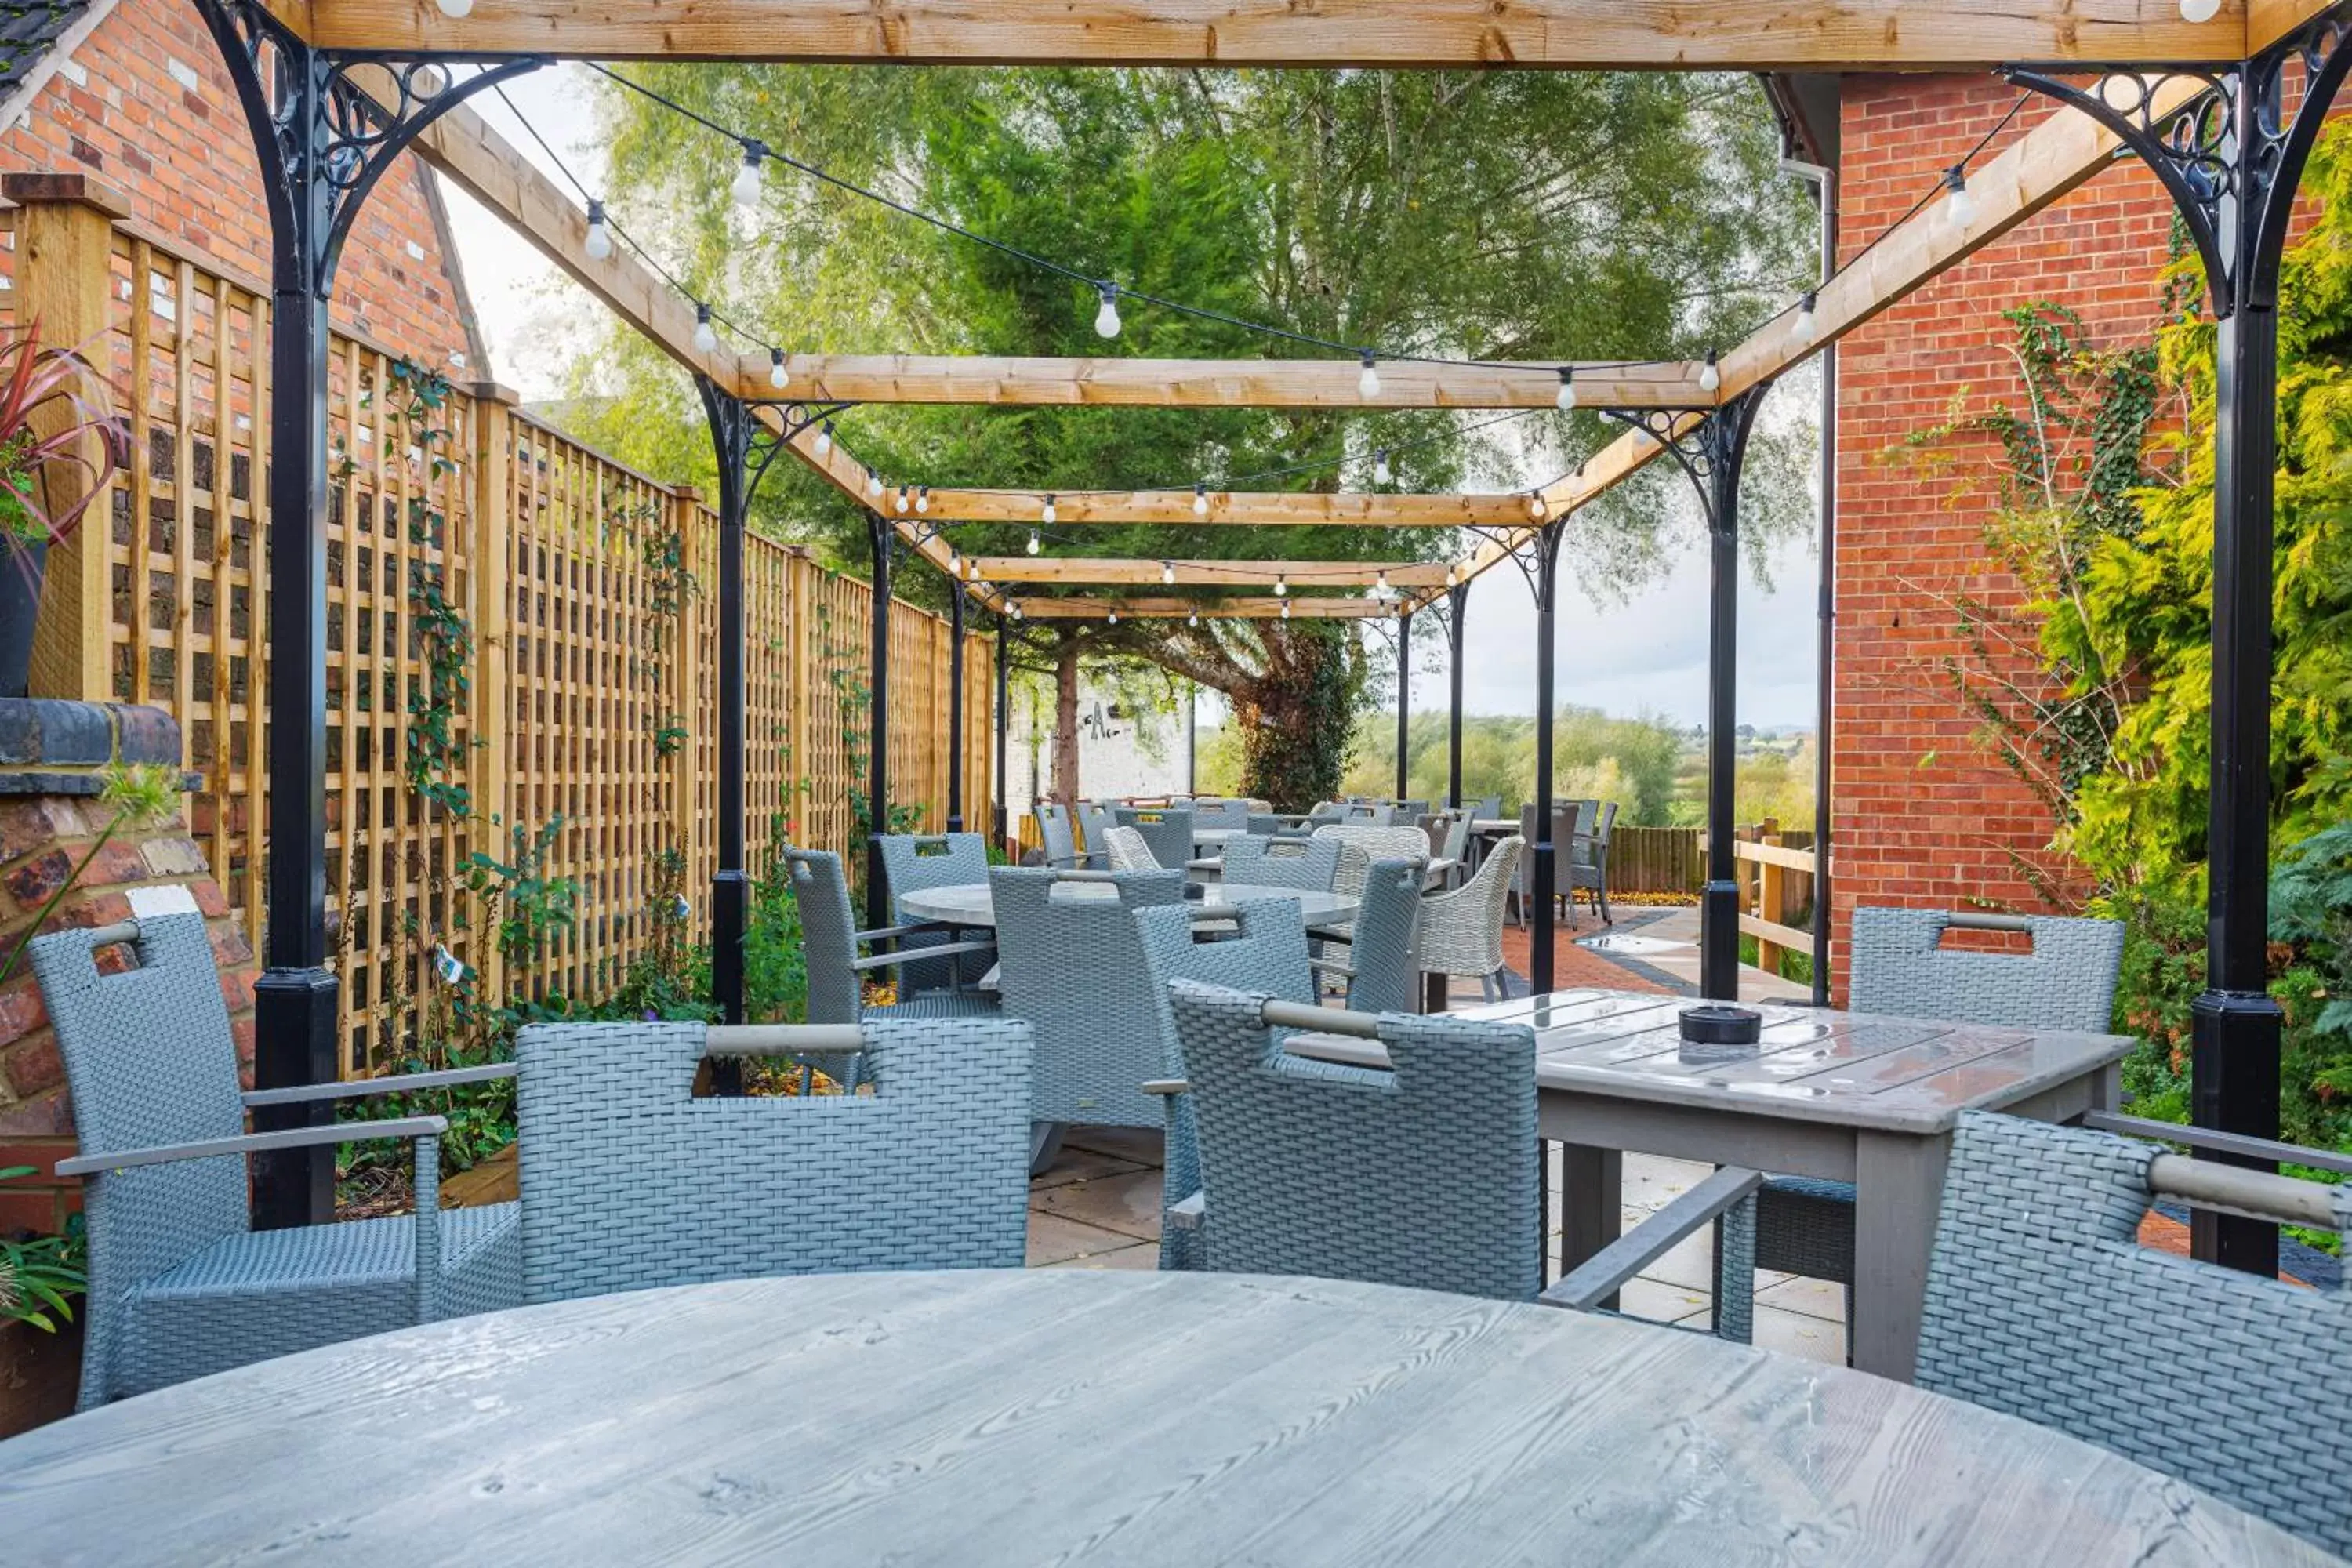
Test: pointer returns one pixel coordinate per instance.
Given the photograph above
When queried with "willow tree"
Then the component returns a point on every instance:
(1468, 215)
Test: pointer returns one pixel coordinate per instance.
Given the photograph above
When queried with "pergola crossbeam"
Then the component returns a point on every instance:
(1195, 573)
(1301, 607)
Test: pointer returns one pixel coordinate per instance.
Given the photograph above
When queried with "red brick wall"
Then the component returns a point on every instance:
(122, 108)
(1925, 814)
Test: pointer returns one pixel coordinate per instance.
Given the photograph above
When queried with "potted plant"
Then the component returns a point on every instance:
(43, 425)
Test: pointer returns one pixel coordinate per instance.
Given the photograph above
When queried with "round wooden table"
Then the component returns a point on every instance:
(1066, 1417)
(970, 904)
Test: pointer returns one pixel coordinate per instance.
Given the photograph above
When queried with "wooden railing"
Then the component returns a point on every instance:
(1776, 885)
(584, 694)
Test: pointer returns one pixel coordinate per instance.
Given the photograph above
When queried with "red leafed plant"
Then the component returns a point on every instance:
(33, 382)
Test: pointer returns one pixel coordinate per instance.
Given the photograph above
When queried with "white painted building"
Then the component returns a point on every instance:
(1124, 748)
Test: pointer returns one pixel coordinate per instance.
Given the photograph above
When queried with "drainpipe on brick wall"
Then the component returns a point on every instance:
(1824, 183)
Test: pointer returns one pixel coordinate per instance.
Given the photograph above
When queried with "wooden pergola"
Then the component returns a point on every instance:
(334, 89)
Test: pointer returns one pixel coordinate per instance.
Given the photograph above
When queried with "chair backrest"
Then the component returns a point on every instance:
(913, 861)
(2040, 1303)
(1053, 824)
(2067, 982)
(1457, 836)
(1608, 823)
(1367, 814)
(829, 935)
(150, 1062)
(1408, 810)
(1266, 824)
(1071, 964)
(1491, 808)
(1462, 933)
(1234, 814)
(1362, 843)
(1281, 863)
(1381, 943)
(1129, 851)
(1421, 1176)
(1563, 838)
(1168, 829)
(1327, 811)
(1094, 818)
(630, 1181)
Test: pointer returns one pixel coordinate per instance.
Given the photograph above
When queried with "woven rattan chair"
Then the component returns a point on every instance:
(1899, 967)
(1462, 931)
(1361, 844)
(1563, 841)
(835, 971)
(2042, 1304)
(1266, 824)
(631, 1182)
(180, 1283)
(1424, 1175)
(1071, 966)
(1094, 819)
(1587, 865)
(1230, 815)
(1367, 814)
(1308, 863)
(913, 861)
(1129, 851)
(1380, 972)
(1263, 949)
(1167, 830)
(1061, 842)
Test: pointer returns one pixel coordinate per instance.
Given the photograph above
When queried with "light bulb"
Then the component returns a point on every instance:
(1199, 500)
(923, 499)
(1107, 318)
(1047, 514)
(1381, 472)
(1033, 542)
(1168, 571)
(2190, 10)
(1710, 378)
(1537, 506)
(1450, 576)
(456, 10)
(1959, 208)
(1114, 618)
(1368, 385)
(1280, 586)
(1285, 609)
(599, 243)
(706, 336)
(1567, 398)
(955, 566)
(824, 438)
(1016, 611)
(873, 483)
(905, 501)
(747, 178)
(1191, 617)
(778, 377)
(1803, 329)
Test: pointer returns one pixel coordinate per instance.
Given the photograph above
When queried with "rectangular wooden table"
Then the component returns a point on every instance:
(1844, 1096)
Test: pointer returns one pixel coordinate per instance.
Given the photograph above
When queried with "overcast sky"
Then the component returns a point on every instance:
(1647, 654)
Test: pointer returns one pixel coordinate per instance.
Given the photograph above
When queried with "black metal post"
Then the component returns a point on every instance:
(1404, 704)
(1457, 601)
(883, 541)
(955, 709)
(1192, 737)
(1722, 444)
(1543, 874)
(1825, 686)
(733, 435)
(321, 142)
(1004, 725)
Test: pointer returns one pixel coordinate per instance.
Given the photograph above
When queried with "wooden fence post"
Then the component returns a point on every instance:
(492, 698)
(1769, 897)
(65, 271)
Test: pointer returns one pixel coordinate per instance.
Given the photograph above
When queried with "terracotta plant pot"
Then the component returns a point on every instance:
(22, 567)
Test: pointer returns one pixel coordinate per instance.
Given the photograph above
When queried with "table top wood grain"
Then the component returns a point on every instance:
(1855, 1069)
(1072, 1417)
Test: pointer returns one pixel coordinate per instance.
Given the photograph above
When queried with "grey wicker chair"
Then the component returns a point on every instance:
(1071, 966)
(1234, 814)
(1380, 971)
(913, 861)
(1167, 830)
(1367, 814)
(1061, 842)
(180, 1283)
(1266, 824)
(1262, 949)
(1309, 863)
(830, 943)
(1461, 931)
(630, 1181)
(2040, 1304)
(1423, 1175)
(1588, 867)
(1095, 821)
(1129, 852)
(1563, 841)
(1899, 967)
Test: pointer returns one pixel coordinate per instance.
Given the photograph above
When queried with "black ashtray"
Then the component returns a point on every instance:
(1195, 892)
(1721, 1024)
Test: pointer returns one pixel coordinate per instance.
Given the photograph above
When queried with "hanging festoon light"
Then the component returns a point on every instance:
(1281, 585)
(1567, 397)
(1167, 571)
(747, 178)
(778, 377)
(1035, 543)
(706, 336)
(1803, 329)
(1538, 508)
(1046, 514)
(1191, 617)
(1451, 574)
(1709, 377)
(873, 482)
(905, 501)
(824, 438)
(923, 499)
(1380, 588)
(1114, 618)
(1367, 383)
(1200, 499)
(955, 565)
(1285, 609)
(1016, 609)
(1107, 318)
(459, 10)
(1960, 208)
(599, 243)
(2190, 10)
(1381, 473)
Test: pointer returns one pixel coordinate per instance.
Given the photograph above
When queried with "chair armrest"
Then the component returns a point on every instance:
(256, 1143)
(359, 1089)
(1167, 1085)
(921, 954)
(885, 933)
(2220, 1142)
(1186, 1214)
(1608, 1270)
(1333, 966)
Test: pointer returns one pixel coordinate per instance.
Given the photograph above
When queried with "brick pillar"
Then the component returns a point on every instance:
(53, 755)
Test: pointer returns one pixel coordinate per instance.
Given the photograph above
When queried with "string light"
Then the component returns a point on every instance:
(2190, 10)
(1368, 385)
(1381, 473)
(955, 565)
(1107, 318)
(599, 243)
(777, 375)
(1114, 618)
(706, 336)
(1450, 574)
(1538, 508)
(1381, 588)
(1567, 398)
(1960, 208)
(1168, 571)
(747, 178)
(1033, 542)
(1192, 618)
(1199, 500)
(459, 10)
(1710, 378)
(905, 501)
(1047, 516)
(1285, 609)
(1803, 329)
(1281, 588)
(923, 499)
(1016, 609)
(824, 438)
(872, 481)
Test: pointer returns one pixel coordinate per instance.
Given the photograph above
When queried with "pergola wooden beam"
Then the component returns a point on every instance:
(1305, 607)
(2269, 21)
(1266, 509)
(1571, 35)
(1005, 569)
(1110, 382)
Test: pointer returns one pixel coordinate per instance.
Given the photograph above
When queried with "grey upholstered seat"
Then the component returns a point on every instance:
(2042, 1303)
(835, 970)
(1257, 862)
(180, 1283)
(1166, 830)
(913, 861)
(631, 1182)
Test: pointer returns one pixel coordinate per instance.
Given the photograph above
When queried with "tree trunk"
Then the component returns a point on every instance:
(1066, 721)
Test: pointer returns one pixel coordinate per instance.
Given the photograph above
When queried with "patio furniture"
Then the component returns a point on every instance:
(1096, 821)
(1283, 862)
(1588, 863)
(1360, 845)
(1367, 813)
(829, 939)
(911, 861)
(1900, 967)
(976, 906)
(630, 1181)
(1421, 1174)
(993, 1419)
(1851, 1096)
(1061, 841)
(1167, 830)
(1563, 840)
(2041, 1303)
(1461, 931)
(1408, 810)
(1071, 966)
(1267, 825)
(181, 1285)
(1380, 972)
(1226, 813)
(1129, 851)
(1325, 811)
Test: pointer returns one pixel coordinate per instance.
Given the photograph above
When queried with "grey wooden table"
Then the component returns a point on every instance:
(1845, 1096)
(1068, 1416)
(970, 904)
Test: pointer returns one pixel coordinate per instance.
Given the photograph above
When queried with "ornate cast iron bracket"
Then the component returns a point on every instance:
(1708, 452)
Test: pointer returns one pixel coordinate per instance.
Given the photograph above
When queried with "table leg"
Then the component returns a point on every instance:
(1592, 1203)
(1898, 1185)
(1436, 993)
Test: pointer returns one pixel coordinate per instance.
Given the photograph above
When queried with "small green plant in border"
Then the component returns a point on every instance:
(41, 1275)
(140, 795)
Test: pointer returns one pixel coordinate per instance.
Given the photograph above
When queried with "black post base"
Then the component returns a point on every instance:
(1541, 878)
(294, 1026)
(731, 922)
(2234, 1074)
(1718, 942)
